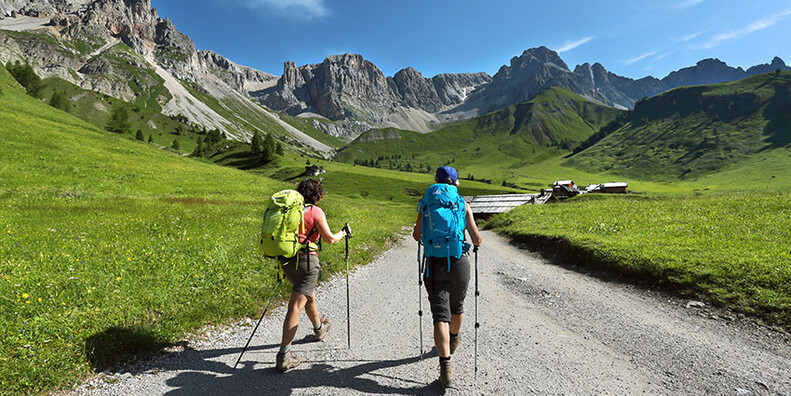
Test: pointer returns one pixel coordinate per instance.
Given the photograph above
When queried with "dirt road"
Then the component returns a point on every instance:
(544, 330)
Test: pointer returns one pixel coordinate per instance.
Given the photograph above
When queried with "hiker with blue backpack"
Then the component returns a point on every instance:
(292, 229)
(443, 216)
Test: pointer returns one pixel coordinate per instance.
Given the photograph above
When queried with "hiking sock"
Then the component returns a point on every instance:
(444, 359)
(284, 349)
(317, 327)
(454, 335)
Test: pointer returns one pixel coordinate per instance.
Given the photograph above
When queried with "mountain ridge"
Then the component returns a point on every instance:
(348, 90)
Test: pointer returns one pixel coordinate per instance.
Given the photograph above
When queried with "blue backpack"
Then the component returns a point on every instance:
(444, 218)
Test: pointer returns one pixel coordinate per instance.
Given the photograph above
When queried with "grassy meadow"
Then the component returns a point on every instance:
(728, 248)
(111, 247)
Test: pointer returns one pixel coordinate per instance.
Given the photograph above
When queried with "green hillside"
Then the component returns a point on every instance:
(119, 66)
(112, 248)
(493, 146)
(694, 131)
(97, 108)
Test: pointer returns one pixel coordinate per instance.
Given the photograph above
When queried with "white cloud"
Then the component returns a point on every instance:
(297, 9)
(570, 45)
(751, 28)
(641, 57)
(686, 4)
(662, 56)
(689, 37)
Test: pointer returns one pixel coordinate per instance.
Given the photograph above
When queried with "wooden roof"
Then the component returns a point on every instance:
(491, 204)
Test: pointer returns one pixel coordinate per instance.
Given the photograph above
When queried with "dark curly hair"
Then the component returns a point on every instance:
(312, 190)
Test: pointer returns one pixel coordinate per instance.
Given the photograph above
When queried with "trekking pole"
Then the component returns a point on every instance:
(280, 282)
(420, 296)
(348, 316)
(477, 325)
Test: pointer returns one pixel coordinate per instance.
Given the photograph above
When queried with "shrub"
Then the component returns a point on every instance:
(140, 136)
(175, 145)
(60, 101)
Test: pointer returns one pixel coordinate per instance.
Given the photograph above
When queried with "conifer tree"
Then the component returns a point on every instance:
(119, 120)
(256, 143)
(25, 76)
(140, 136)
(198, 150)
(150, 138)
(175, 145)
(268, 148)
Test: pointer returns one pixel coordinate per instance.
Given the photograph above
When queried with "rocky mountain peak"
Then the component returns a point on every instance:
(776, 64)
(416, 91)
(539, 55)
(706, 71)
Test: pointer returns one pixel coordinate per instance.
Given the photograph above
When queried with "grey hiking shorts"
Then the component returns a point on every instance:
(302, 272)
(447, 290)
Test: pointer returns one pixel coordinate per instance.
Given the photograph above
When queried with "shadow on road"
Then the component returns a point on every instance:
(205, 375)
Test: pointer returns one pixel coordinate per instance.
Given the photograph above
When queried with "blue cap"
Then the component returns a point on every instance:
(446, 172)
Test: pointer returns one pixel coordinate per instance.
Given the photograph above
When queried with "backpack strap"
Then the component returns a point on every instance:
(306, 242)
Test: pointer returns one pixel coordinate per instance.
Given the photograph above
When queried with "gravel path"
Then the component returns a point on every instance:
(544, 330)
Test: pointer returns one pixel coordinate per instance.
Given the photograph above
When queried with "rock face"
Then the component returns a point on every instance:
(350, 89)
(138, 25)
(777, 64)
(40, 8)
(241, 78)
(714, 71)
(537, 69)
(707, 71)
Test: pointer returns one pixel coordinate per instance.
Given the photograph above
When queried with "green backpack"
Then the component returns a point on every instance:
(282, 223)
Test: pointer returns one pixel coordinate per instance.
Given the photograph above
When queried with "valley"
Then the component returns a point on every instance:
(136, 168)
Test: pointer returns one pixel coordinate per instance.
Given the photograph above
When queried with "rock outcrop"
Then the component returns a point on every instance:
(715, 71)
(40, 8)
(535, 70)
(241, 78)
(353, 90)
(707, 71)
(777, 64)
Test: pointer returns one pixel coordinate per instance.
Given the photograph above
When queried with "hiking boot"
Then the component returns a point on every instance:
(454, 343)
(286, 361)
(326, 323)
(445, 374)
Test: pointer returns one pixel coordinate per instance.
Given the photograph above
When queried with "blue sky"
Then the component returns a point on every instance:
(630, 38)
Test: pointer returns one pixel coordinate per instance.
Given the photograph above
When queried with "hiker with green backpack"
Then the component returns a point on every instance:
(292, 229)
(443, 216)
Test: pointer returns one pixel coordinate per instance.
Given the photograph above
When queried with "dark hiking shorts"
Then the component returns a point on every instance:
(303, 273)
(447, 290)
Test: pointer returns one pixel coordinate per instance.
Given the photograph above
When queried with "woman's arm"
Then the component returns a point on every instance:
(418, 223)
(326, 234)
(472, 228)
